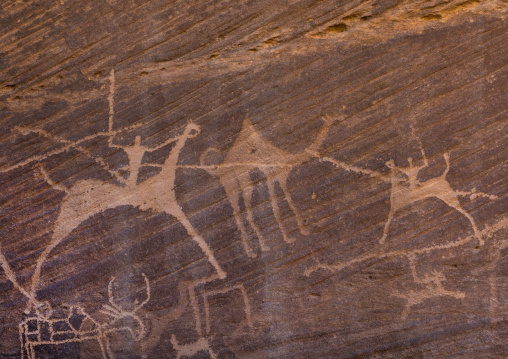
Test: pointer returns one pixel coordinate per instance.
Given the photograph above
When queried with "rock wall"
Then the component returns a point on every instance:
(253, 179)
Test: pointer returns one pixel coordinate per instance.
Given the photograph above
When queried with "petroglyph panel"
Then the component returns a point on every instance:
(217, 179)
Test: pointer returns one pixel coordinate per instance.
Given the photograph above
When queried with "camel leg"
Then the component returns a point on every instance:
(178, 213)
(233, 193)
(453, 201)
(405, 312)
(271, 190)
(247, 190)
(212, 354)
(195, 308)
(477, 233)
(111, 355)
(387, 225)
(282, 181)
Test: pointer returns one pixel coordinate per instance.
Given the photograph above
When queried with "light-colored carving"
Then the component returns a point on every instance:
(89, 197)
(41, 327)
(339, 266)
(198, 301)
(187, 350)
(406, 189)
(212, 293)
(497, 310)
(206, 294)
(251, 151)
(432, 284)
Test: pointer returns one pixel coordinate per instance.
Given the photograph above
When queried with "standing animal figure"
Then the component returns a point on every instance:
(42, 327)
(433, 287)
(251, 151)
(90, 197)
(407, 189)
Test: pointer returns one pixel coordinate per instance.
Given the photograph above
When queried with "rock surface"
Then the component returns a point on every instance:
(253, 179)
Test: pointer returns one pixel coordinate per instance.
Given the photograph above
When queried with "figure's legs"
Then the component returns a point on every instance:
(282, 181)
(232, 192)
(456, 295)
(477, 233)
(195, 308)
(271, 190)
(247, 190)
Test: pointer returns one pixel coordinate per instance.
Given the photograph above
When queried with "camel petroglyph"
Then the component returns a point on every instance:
(251, 151)
(89, 197)
(406, 189)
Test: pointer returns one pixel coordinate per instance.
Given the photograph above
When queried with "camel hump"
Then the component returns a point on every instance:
(84, 200)
(250, 147)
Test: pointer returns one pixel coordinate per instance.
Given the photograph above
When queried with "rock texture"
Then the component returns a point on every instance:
(253, 179)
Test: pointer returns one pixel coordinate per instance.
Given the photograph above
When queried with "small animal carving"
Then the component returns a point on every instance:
(432, 284)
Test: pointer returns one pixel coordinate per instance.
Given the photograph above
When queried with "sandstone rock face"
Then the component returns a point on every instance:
(253, 179)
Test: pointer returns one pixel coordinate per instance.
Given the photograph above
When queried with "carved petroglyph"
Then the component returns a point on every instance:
(194, 302)
(406, 189)
(89, 197)
(432, 284)
(251, 151)
(339, 266)
(491, 271)
(191, 294)
(187, 350)
(243, 292)
(202, 344)
(41, 327)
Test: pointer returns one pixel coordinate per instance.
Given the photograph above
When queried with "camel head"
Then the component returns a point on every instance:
(192, 130)
(390, 164)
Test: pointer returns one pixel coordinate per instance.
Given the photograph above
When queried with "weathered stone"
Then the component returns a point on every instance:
(264, 179)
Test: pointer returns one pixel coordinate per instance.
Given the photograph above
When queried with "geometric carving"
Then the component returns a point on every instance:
(41, 327)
